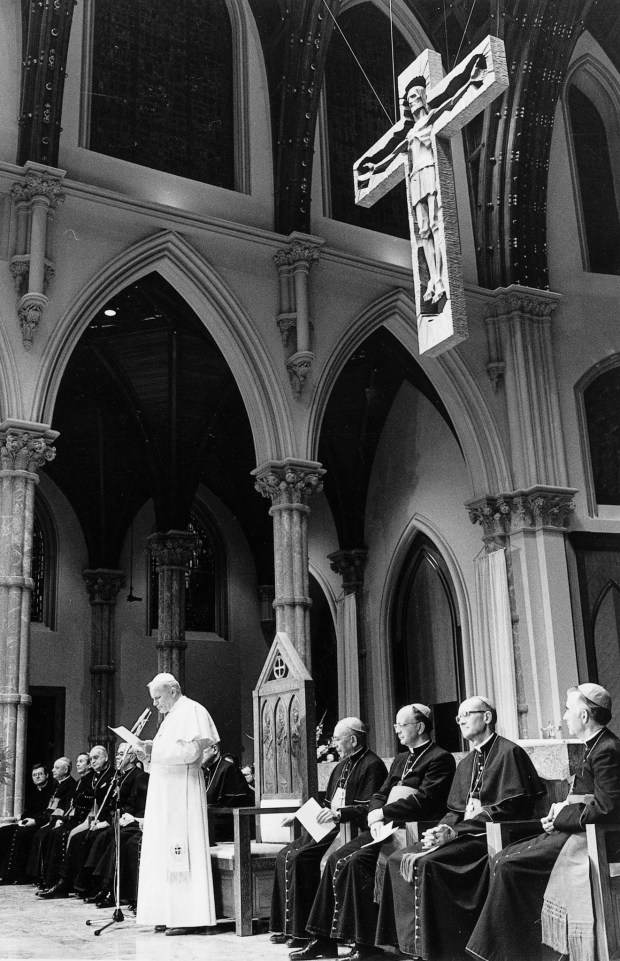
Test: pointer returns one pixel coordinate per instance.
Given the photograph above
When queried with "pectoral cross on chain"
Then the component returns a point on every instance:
(433, 109)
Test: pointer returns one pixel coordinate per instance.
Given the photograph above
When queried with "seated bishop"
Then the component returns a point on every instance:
(415, 789)
(540, 887)
(356, 777)
(435, 889)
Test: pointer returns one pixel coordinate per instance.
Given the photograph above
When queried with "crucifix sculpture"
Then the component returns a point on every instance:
(433, 109)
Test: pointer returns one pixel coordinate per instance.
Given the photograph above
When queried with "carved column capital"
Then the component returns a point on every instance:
(173, 549)
(301, 253)
(39, 184)
(537, 508)
(524, 301)
(21, 450)
(350, 565)
(289, 481)
(103, 585)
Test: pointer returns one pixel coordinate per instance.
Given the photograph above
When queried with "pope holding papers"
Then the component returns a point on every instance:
(175, 887)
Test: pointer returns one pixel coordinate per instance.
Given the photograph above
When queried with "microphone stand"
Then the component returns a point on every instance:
(117, 915)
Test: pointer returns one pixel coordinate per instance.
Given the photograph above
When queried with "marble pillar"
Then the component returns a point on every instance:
(103, 586)
(290, 484)
(530, 525)
(24, 449)
(350, 565)
(172, 553)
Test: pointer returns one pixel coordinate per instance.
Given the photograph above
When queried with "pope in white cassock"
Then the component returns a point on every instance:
(175, 886)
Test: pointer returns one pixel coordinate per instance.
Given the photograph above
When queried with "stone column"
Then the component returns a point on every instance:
(103, 586)
(35, 199)
(350, 565)
(530, 524)
(293, 264)
(290, 484)
(24, 449)
(172, 553)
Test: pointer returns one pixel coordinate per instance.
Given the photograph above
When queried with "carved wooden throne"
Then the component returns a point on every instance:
(286, 776)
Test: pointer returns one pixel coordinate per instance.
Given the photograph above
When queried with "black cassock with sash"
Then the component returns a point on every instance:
(431, 901)
(298, 865)
(509, 927)
(344, 907)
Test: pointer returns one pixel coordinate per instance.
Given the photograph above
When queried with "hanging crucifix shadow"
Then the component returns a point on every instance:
(433, 109)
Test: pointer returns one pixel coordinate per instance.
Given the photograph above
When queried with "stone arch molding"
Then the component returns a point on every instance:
(218, 309)
(476, 429)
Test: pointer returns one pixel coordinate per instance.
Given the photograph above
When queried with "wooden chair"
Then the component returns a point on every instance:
(286, 776)
(604, 854)
(603, 842)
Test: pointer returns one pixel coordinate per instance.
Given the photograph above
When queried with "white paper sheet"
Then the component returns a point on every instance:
(307, 815)
(386, 831)
(126, 735)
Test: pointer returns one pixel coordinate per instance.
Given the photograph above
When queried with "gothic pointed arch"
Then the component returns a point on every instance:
(474, 424)
(217, 308)
(591, 103)
(418, 527)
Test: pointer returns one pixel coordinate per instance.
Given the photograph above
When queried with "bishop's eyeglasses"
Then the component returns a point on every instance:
(465, 714)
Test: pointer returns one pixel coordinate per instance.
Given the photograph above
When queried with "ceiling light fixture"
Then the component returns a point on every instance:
(110, 312)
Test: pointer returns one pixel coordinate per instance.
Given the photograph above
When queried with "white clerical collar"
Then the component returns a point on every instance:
(419, 747)
(478, 747)
(593, 737)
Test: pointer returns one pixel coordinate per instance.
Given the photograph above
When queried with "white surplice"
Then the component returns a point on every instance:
(175, 885)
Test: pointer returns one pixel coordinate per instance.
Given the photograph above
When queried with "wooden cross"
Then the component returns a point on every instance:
(433, 109)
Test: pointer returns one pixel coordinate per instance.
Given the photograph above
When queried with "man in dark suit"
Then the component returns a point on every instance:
(509, 927)
(353, 781)
(416, 789)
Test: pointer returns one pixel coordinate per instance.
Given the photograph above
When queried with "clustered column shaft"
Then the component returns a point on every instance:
(22, 454)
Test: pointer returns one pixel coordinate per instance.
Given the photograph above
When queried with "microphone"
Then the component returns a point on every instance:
(141, 722)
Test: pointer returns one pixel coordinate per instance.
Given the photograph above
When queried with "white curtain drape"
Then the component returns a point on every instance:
(348, 666)
(495, 639)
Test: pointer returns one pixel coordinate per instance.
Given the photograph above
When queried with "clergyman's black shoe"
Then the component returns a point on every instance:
(364, 952)
(275, 938)
(316, 948)
(297, 942)
(106, 901)
(60, 890)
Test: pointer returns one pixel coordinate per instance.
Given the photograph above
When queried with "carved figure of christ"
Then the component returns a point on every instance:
(433, 109)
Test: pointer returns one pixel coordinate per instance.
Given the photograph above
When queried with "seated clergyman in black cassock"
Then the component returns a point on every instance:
(548, 875)
(415, 789)
(52, 854)
(226, 787)
(58, 805)
(356, 777)
(434, 890)
(15, 839)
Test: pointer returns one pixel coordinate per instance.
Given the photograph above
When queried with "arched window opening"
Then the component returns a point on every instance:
(43, 567)
(426, 645)
(37, 599)
(162, 87)
(355, 119)
(597, 191)
(205, 584)
(601, 400)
